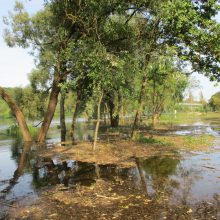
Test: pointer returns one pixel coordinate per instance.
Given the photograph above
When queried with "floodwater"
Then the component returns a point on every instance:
(184, 178)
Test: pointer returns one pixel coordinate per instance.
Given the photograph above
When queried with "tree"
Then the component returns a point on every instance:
(214, 102)
(49, 41)
(189, 28)
(63, 29)
(18, 114)
(166, 85)
(202, 98)
(31, 102)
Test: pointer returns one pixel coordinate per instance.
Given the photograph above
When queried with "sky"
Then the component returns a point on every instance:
(17, 63)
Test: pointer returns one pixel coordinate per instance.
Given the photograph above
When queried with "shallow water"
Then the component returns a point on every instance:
(185, 178)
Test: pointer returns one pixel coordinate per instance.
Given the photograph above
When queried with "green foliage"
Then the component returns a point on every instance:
(166, 85)
(92, 47)
(4, 110)
(190, 27)
(32, 103)
(214, 102)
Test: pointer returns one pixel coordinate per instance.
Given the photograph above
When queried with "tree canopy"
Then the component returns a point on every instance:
(94, 47)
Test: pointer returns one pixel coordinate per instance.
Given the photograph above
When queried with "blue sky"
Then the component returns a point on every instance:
(16, 63)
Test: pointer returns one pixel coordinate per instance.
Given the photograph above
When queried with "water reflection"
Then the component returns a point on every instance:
(180, 180)
(21, 154)
(157, 171)
(50, 172)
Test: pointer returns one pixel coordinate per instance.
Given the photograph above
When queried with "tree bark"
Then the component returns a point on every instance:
(62, 118)
(114, 117)
(50, 112)
(18, 114)
(140, 103)
(72, 131)
(98, 121)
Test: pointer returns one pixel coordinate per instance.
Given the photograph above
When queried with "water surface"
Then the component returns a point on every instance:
(184, 178)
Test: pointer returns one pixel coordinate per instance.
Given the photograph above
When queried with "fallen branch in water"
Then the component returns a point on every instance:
(212, 168)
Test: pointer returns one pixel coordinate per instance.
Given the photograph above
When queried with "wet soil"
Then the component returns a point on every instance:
(121, 153)
(110, 200)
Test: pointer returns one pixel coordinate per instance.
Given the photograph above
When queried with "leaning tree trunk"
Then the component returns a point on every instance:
(140, 103)
(62, 118)
(18, 114)
(98, 121)
(50, 112)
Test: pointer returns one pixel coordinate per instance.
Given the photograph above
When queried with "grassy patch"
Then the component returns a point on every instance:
(153, 140)
(200, 142)
(181, 118)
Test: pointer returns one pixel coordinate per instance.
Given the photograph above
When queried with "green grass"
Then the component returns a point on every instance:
(190, 142)
(14, 131)
(152, 140)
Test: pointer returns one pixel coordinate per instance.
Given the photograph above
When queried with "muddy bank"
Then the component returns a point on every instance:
(110, 200)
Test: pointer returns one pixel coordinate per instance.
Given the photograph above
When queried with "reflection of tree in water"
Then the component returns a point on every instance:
(20, 152)
(75, 172)
(16, 147)
(188, 178)
(25, 157)
(83, 129)
(158, 169)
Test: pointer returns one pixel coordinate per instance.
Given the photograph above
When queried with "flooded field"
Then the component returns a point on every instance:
(183, 179)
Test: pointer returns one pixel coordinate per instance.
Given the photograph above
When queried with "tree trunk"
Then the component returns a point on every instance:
(98, 121)
(120, 115)
(140, 103)
(62, 118)
(50, 112)
(72, 131)
(18, 114)
(155, 118)
(114, 118)
(105, 113)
